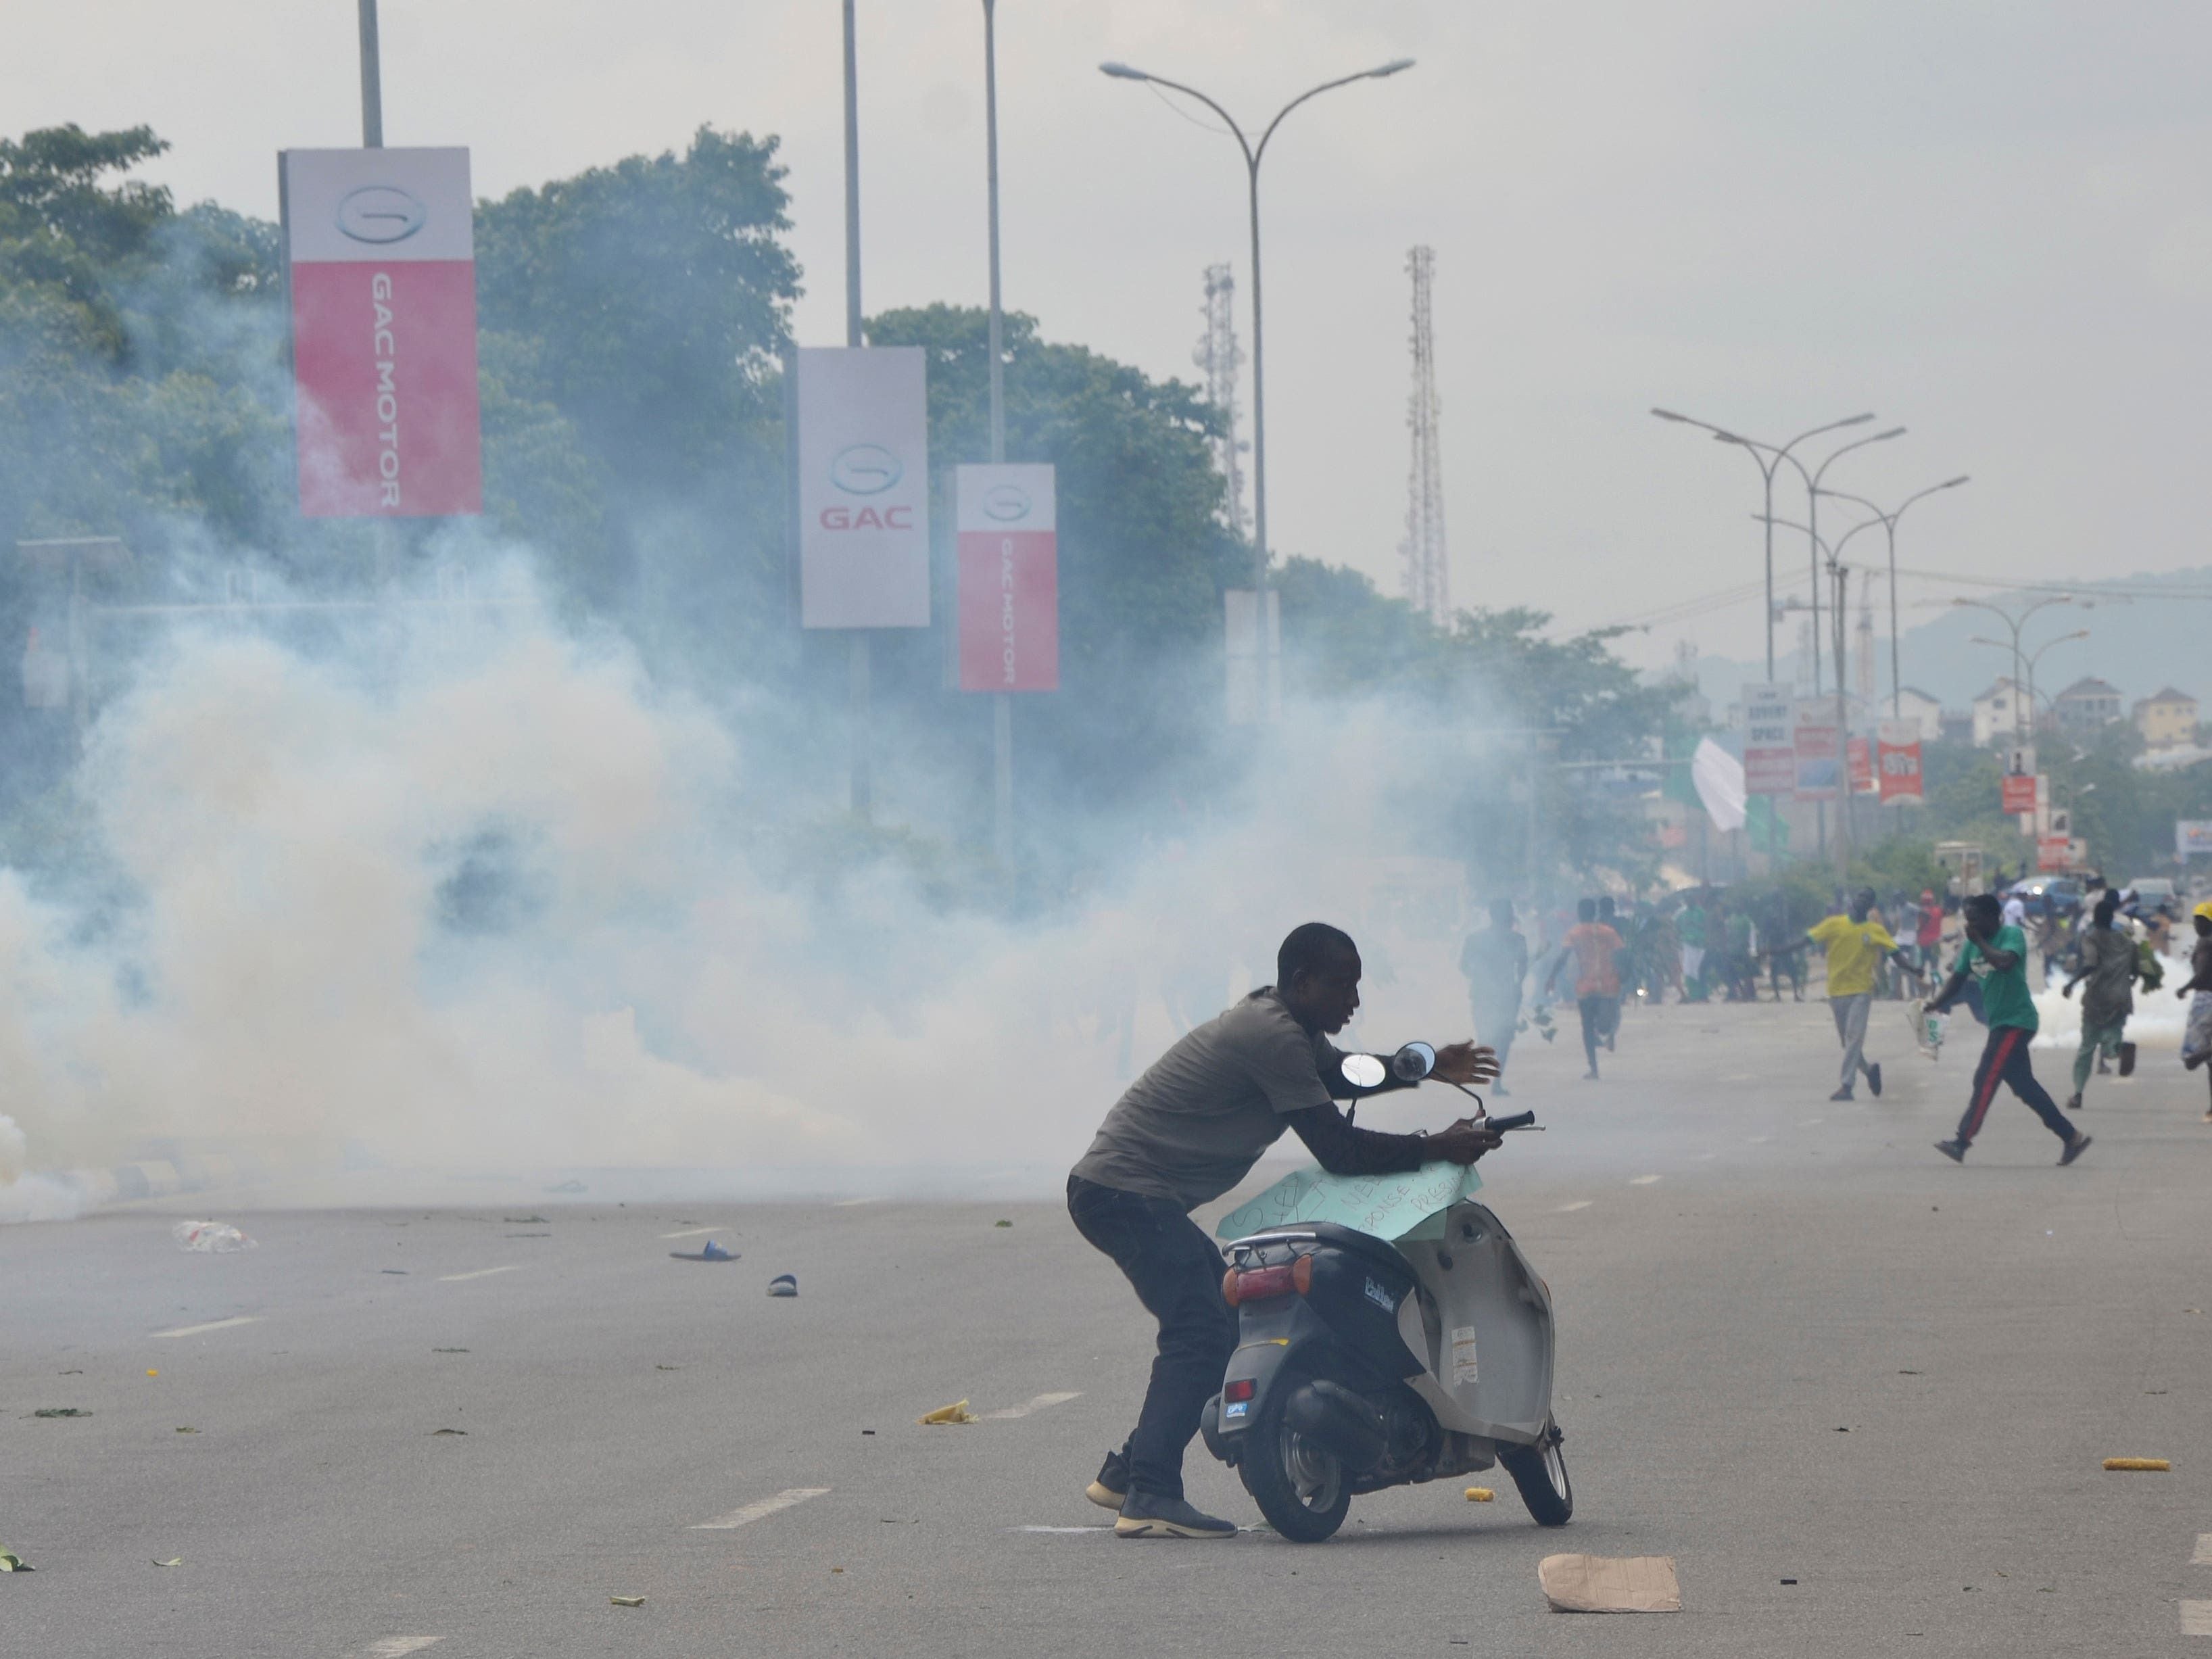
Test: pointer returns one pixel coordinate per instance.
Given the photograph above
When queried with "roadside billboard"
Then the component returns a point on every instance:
(2019, 793)
(1009, 550)
(2053, 852)
(2191, 835)
(1860, 752)
(381, 259)
(862, 488)
(1818, 745)
(1770, 754)
(1900, 764)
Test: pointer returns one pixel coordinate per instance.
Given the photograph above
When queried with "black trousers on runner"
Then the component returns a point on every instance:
(1595, 1012)
(2004, 1059)
(1176, 1271)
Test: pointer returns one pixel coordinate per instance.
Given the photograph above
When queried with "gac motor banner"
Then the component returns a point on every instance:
(1900, 764)
(1818, 744)
(1009, 579)
(380, 249)
(862, 462)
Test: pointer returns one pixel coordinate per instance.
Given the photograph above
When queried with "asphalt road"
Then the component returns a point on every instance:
(1794, 1344)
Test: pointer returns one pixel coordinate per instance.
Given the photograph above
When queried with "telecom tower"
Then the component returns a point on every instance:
(1218, 359)
(1428, 569)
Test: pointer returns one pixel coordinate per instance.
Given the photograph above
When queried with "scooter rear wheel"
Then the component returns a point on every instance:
(1540, 1472)
(1300, 1486)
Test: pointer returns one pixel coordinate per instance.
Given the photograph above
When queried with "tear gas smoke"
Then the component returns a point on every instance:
(483, 899)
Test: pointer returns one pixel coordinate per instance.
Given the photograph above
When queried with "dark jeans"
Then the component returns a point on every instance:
(2004, 1059)
(1176, 1270)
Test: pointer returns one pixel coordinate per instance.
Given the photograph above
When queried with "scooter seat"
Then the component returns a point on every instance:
(1366, 1246)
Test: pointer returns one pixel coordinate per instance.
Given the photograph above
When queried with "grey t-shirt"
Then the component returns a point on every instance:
(1195, 1124)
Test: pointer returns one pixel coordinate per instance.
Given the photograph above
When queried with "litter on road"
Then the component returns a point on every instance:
(627, 1600)
(211, 1237)
(173, 1561)
(1598, 1583)
(10, 1562)
(956, 1412)
(712, 1252)
(1479, 1494)
(435, 1432)
(59, 1411)
(187, 1430)
(783, 1284)
(2130, 1464)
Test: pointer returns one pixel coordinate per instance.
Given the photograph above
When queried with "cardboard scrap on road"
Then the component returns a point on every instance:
(1598, 1583)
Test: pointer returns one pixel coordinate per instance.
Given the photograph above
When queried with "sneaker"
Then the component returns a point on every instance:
(1953, 1150)
(2127, 1059)
(1145, 1516)
(1874, 1079)
(1591, 1076)
(2074, 1148)
(1111, 1489)
(1845, 1094)
(2073, 1102)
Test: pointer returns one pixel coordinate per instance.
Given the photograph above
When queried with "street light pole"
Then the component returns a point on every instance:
(2015, 624)
(1253, 155)
(1002, 704)
(1753, 448)
(859, 692)
(1812, 525)
(1888, 520)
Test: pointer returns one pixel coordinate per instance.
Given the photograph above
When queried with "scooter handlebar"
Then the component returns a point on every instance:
(1518, 1121)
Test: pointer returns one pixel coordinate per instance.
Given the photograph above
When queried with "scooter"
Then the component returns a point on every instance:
(1361, 1365)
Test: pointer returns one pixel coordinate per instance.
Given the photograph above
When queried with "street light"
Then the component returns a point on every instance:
(1888, 520)
(1813, 518)
(1766, 469)
(2015, 624)
(2031, 659)
(1253, 153)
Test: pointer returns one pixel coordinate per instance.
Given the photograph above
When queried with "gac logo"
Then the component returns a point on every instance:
(381, 214)
(1005, 502)
(844, 518)
(866, 470)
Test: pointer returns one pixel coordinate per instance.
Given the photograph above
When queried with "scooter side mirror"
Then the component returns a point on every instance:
(1413, 1062)
(1363, 1071)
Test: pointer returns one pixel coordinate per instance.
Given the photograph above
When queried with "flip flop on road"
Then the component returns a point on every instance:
(714, 1251)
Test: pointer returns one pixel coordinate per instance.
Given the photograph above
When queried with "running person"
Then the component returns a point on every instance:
(1496, 963)
(1592, 946)
(1996, 956)
(1854, 944)
(2197, 1036)
(2108, 963)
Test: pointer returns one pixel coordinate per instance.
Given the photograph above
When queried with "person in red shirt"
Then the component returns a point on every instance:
(1929, 939)
(1593, 947)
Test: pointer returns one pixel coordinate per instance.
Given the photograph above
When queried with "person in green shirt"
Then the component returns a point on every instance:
(1854, 944)
(1996, 958)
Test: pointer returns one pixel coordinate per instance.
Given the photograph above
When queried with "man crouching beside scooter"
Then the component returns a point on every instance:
(1188, 1130)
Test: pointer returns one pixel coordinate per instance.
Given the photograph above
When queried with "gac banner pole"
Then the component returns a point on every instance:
(1002, 705)
(863, 791)
(372, 81)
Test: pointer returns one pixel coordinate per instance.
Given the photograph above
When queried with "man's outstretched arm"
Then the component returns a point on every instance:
(1343, 1148)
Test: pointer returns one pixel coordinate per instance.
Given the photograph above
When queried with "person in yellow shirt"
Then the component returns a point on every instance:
(1855, 945)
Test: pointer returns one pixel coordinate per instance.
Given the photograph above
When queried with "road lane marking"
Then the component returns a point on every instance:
(1810, 1121)
(766, 1506)
(694, 1232)
(1757, 1140)
(399, 1647)
(2203, 1556)
(1707, 1157)
(1042, 1402)
(1642, 1181)
(481, 1273)
(854, 1203)
(2197, 1618)
(1109, 1527)
(1579, 1203)
(212, 1325)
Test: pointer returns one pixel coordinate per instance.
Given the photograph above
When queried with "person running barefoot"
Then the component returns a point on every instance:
(1996, 956)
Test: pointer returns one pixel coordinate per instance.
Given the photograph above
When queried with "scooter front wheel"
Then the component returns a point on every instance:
(1540, 1472)
(1300, 1486)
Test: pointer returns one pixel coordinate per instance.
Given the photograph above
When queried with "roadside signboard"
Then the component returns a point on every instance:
(2191, 835)
(1009, 579)
(1900, 764)
(381, 259)
(2053, 852)
(1817, 744)
(862, 464)
(1770, 754)
(2019, 792)
(1860, 752)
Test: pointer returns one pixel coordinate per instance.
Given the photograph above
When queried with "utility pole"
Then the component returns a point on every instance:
(1842, 573)
(863, 787)
(1218, 359)
(1428, 573)
(1002, 705)
(372, 80)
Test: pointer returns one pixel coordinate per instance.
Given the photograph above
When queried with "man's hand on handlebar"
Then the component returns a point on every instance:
(1462, 1062)
(1464, 1142)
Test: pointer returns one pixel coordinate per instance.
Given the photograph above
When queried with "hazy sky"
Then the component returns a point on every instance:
(1989, 220)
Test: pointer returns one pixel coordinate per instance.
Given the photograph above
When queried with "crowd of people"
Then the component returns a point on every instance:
(1973, 952)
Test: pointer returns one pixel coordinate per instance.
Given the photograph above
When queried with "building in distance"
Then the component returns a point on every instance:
(2166, 719)
(2086, 708)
